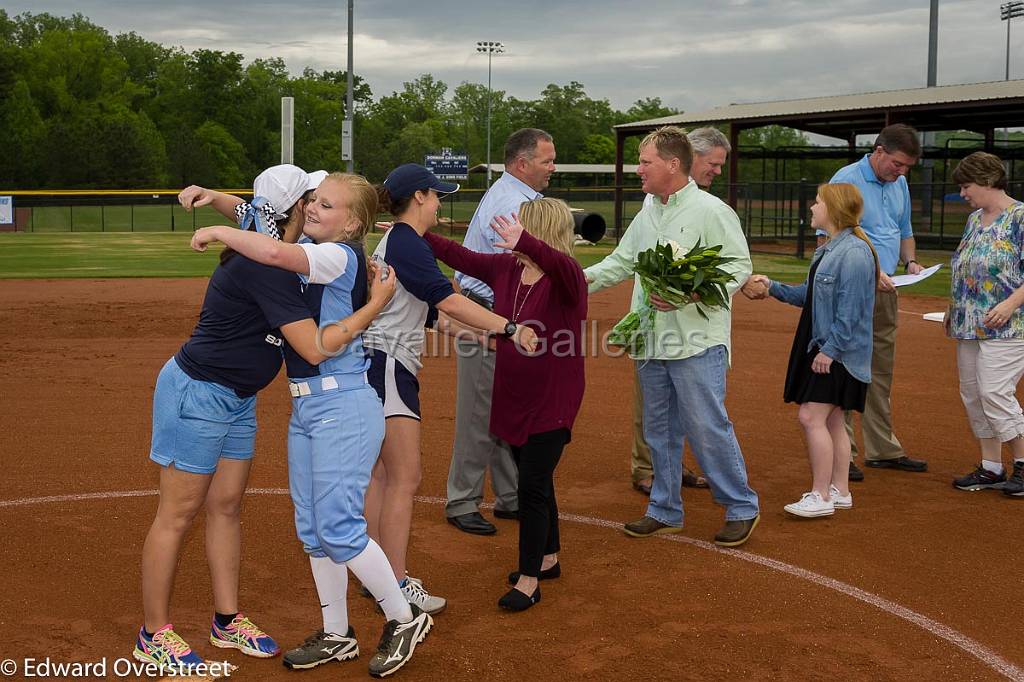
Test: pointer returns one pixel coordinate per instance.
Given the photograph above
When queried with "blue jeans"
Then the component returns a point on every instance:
(684, 400)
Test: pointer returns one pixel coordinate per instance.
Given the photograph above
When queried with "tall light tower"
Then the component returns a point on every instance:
(1008, 11)
(490, 48)
(347, 131)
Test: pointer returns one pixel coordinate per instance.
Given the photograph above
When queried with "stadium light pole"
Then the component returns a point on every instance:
(347, 128)
(489, 48)
(1008, 11)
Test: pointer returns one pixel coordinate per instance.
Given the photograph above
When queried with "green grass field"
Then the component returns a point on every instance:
(167, 254)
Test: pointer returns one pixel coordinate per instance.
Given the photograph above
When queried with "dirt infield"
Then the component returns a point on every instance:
(933, 566)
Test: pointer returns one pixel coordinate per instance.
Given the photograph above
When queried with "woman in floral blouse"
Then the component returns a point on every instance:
(987, 320)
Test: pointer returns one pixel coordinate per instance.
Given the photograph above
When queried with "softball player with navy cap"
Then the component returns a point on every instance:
(412, 194)
(204, 426)
(337, 423)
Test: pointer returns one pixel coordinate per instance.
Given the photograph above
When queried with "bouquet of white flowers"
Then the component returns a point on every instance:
(678, 277)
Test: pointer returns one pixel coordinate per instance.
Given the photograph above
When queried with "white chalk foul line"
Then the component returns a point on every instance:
(958, 639)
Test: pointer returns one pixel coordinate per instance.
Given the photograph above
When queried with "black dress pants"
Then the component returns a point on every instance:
(538, 511)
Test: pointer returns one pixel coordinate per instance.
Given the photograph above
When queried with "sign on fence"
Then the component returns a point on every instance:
(448, 166)
(6, 210)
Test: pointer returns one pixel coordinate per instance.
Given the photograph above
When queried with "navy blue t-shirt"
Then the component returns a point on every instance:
(237, 342)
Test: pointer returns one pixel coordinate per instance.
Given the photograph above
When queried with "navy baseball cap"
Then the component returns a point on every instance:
(409, 178)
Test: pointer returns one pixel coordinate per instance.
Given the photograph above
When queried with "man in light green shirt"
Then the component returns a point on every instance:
(682, 375)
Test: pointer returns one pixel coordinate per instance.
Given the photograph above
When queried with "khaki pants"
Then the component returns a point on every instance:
(640, 462)
(876, 423)
(475, 450)
(989, 373)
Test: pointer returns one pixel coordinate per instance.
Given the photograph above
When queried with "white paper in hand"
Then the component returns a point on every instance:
(907, 280)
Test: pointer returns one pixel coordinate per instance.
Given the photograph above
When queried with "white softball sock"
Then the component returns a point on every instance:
(332, 587)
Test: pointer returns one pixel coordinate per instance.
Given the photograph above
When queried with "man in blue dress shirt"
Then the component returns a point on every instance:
(529, 163)
(881, 178)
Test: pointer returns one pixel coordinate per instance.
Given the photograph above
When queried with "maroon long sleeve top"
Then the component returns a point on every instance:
(542, 392)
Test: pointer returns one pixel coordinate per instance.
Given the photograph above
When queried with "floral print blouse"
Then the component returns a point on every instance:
(987, 267)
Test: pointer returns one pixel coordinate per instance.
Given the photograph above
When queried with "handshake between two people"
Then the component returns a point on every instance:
(756, 287)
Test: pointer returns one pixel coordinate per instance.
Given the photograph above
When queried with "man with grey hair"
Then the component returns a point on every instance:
(711, 149)
(529, 163)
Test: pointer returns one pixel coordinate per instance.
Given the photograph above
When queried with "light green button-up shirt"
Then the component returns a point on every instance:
(690, 216)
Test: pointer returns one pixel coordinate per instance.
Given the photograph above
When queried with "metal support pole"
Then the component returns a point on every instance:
(348, 129)
(1009, 11)
(488, 118)
(287, 130)
(620, 143)
(933, 42)
(801, 195)
(490, 47)
(734, 164)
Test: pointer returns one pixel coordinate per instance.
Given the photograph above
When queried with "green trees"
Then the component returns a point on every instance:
(80, 108)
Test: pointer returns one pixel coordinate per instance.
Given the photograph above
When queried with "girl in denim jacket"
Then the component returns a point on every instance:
(830, 363)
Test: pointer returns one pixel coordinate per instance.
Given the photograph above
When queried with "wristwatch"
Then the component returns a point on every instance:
(906, 266)
(510, 329)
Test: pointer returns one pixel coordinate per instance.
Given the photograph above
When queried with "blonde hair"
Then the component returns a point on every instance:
(671, 142)
(550, 221)
(363, 204)
(845, 207)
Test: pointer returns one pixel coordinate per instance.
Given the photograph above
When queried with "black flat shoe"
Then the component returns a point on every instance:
(514, 600)
(506, 514)
(855, 474)
(545, 574)
(474, 523)
(903, 463)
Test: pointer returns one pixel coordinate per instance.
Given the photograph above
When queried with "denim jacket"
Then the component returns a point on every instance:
(844, 301)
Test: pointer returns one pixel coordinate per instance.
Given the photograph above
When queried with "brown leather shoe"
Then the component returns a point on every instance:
(692, 480)
(645, 527)
(645, 488)
(735, 533)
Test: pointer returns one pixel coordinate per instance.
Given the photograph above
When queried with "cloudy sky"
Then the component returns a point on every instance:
(694, 55)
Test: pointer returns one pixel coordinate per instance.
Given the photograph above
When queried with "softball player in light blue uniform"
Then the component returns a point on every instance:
(337, 424)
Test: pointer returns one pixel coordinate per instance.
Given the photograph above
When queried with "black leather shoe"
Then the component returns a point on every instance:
(474, 523)
(855, 474)
(545, 574)
(506, 514)
(903, 463)
(514, 600)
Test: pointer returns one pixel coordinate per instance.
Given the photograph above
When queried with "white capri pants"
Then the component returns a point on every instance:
(989, 373)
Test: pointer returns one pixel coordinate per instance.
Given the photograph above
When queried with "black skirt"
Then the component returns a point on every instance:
(803, 385)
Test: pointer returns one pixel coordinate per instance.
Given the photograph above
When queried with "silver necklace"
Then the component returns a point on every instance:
(529, 288)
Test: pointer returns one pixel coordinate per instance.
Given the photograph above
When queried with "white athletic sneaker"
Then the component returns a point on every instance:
(415, 594)
(838, 500)
(811, 505)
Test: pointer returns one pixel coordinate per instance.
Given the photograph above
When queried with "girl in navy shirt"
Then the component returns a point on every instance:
(337, 422)
(395, 339)
(204, 426)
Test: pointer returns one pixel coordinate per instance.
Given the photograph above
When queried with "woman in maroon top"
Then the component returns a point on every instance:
(536, 397)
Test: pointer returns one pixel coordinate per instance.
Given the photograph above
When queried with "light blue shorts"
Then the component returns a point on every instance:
(334, 440)
(195, 423)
